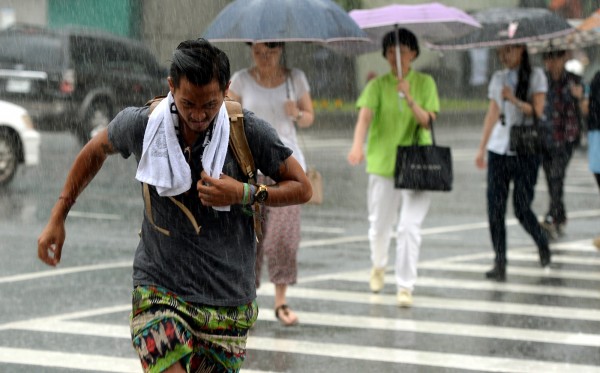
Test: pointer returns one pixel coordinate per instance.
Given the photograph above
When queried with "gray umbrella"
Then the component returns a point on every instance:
(509, 26)
(321, 21)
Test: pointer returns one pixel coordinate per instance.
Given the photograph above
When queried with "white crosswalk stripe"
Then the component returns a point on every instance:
(450, 274)
(67, 360)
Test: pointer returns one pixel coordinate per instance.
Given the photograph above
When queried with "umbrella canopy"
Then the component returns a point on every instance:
(509, 26)
(430, 21)
(256, 21)
(586, 34)
(433, 21)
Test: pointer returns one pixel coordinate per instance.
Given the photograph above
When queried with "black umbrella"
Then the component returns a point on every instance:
(321, 21)
(509, 26)
(587, 34)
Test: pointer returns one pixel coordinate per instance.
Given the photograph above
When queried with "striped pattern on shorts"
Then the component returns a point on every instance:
(166, 329)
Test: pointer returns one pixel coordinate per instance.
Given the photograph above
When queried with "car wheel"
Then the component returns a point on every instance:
(8, 158)
(97, 118)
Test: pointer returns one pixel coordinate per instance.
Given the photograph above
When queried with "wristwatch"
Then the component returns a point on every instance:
(261, 194)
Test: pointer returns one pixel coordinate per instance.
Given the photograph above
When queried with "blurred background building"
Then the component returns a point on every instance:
(161, 25)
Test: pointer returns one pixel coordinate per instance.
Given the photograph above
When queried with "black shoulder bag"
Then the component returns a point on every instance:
(528, 140)
(423, 167)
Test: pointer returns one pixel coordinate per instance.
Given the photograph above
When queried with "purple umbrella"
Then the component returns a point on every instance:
(432, 22)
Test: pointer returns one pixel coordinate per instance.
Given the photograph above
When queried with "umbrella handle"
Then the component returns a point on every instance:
(398, 62)
(397, 50)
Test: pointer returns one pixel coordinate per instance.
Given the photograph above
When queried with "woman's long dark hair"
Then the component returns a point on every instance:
(523, 77)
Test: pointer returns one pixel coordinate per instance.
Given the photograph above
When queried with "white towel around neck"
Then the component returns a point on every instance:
(215, 150)
(163, 163)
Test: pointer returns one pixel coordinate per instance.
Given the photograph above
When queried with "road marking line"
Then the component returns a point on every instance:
(306, 243)
(97, 363)
(527, 254)
(75, 328)
(581, 245)
(580, 190)
(569, 313)
(363, 322)
(498, 286)
(513, 270)
(333, 241)
(332, 230)
(363, 276)
(438, 230)
(573, 246)
(345, 321)
(422, 358)
(67, 316)
(64, 271)
(69, 360)
(564, 259)
(94, 215)
(444, 328)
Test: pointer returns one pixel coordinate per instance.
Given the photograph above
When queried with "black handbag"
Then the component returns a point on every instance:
(423, 167)
(528, 140)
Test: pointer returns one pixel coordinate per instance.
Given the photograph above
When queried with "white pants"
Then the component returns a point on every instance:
(384, 207)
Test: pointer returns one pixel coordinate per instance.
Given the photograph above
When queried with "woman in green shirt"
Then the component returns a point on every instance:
(392, 112)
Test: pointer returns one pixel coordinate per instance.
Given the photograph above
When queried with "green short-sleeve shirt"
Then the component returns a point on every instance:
(393, 122)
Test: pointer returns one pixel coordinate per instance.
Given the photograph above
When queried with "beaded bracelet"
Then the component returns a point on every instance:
(248, 202)
(246, 195)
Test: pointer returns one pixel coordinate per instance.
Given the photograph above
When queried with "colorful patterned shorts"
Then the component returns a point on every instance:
(165, 329)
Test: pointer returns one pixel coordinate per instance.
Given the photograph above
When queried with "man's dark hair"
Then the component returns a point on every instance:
(405, 38)
(200, 62)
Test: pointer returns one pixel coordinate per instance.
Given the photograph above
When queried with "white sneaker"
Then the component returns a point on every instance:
(377, 279)
(404, 298)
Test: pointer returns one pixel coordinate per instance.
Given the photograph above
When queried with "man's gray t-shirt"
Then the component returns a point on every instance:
(216, 266)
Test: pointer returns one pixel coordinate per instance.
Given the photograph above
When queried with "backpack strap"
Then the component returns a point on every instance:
(238, 141)
(148, 204)
(239, 145)
(153, 103)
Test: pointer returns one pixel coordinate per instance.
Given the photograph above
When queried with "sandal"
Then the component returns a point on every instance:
(285, 321)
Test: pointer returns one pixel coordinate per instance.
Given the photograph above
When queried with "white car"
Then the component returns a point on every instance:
(19, 141)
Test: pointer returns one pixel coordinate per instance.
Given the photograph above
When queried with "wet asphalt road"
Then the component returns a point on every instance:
(75, 318)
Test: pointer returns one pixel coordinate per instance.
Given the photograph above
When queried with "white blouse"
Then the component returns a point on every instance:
(499, 139)
(269, 104)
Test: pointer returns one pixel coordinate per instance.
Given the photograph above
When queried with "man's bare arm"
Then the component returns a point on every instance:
(85, 167)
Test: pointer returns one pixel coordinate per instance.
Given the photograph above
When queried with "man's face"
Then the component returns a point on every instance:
(197, 105)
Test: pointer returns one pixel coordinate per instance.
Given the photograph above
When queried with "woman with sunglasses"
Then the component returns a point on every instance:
(516, 94)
